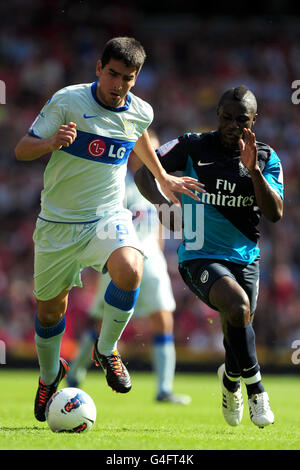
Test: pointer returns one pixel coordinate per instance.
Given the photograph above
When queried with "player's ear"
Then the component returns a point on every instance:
(134, 80)
(254, 119)
(98, 68)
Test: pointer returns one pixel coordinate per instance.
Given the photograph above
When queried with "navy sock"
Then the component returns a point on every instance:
(231, 364)
(242, 344)
(254, 388)
(231, 385)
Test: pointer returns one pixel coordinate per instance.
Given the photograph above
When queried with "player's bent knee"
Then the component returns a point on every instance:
(48, 318)
(231, 301)
(126, 268)
(50, 312)
(128, 278)
(239, 314)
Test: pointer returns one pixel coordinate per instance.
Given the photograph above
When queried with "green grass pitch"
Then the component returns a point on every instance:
(136, 422)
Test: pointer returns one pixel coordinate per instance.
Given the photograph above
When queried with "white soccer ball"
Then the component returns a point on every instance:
(70, 410)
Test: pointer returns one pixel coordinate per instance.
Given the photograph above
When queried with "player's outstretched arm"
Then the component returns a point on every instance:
(169, 184)
(31, 148)
(269, 202)
(147, 186)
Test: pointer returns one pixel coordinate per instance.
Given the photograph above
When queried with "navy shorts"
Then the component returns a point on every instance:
(200, 274)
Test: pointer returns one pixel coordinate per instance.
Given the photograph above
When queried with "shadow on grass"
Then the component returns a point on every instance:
(27, 428)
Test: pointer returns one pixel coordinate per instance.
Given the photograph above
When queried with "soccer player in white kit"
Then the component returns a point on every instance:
(156, 300)
(90, 130)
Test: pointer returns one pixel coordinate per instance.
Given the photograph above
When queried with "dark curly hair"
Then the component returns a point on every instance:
(127, 49)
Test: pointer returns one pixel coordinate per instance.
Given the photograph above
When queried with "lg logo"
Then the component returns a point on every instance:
(97, 148)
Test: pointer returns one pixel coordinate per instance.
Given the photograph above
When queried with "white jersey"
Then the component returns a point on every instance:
(86, 180)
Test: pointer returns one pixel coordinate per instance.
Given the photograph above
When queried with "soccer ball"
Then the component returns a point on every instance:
(70, 410)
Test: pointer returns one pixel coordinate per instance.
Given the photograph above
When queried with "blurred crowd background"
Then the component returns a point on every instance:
(191, 60)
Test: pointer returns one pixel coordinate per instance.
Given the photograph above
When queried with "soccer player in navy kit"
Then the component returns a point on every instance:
(243, 179)
(90, 129)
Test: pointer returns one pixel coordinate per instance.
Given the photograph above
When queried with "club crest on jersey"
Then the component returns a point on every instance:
(129, 127)
(243, 171)
(204, 277)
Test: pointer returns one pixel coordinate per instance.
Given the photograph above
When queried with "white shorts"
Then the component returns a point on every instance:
(63, 250)
(155, 291)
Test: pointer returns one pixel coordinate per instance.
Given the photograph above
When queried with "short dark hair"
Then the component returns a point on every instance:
(240, 93)
(127, 49)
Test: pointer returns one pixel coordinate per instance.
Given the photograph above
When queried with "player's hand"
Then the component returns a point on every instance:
(64, 137)
(248, 149)
(173, 184)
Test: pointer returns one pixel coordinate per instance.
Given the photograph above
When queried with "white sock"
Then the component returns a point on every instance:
(164, 362)
(47, 342)
(48, 350)
(113, 324)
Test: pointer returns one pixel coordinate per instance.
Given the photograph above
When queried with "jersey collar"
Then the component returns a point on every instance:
(110, 108)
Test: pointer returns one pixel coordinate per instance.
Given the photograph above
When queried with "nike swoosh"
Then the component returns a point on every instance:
(120, 321)
(247, 370)
(204, 164)
(90, 420)
(88, 117)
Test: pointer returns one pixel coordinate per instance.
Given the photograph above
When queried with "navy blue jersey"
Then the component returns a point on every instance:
(224, 224)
